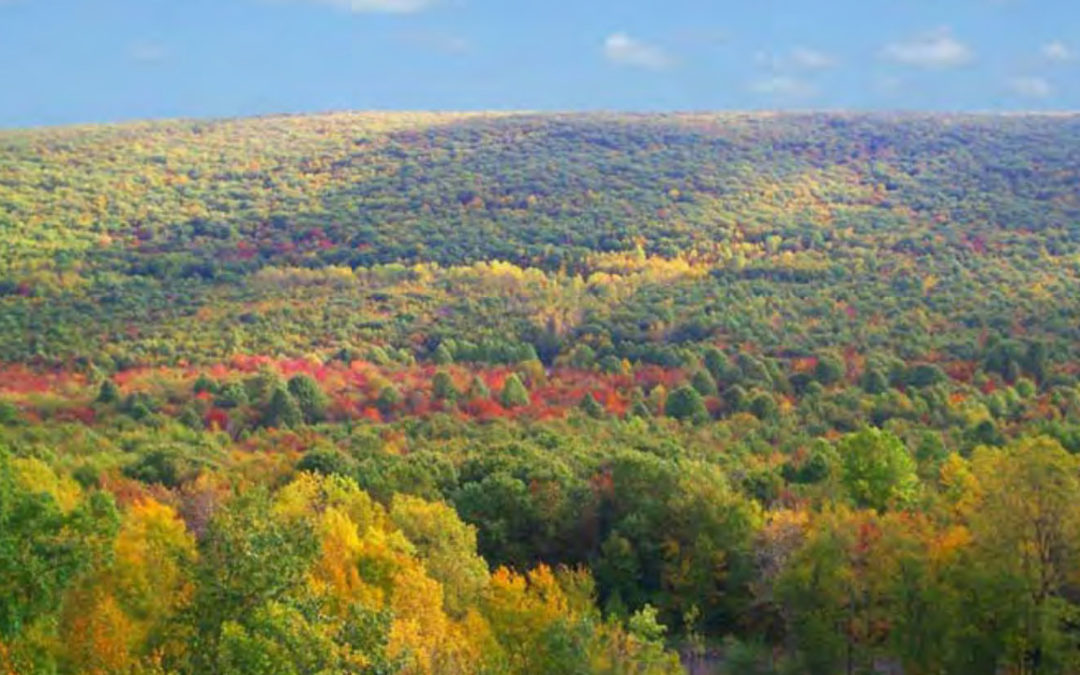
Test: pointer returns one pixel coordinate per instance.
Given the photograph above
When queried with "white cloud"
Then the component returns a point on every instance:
(385, 6)
(811, 59)
(783, 86)
(1031, 87)
(1057, 51)
(624, 50)
(935, 49)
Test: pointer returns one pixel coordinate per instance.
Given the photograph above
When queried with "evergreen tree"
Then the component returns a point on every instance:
(514, 394)
(638, 406)
(590, 406)
(442, 387)
(282, 410)
(108, 393)
(478, 389)
(203, 383)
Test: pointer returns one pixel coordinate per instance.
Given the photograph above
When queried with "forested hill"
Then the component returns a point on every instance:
(518, 394)
(161, 216)
(542, 190)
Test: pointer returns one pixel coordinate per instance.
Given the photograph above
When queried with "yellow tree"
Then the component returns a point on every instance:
(120, 615)
(1027, 536)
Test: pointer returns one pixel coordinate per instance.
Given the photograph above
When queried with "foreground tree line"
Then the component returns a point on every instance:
(285, 536)
(311, 577)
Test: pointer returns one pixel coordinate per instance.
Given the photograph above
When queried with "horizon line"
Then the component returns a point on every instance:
(510, 112)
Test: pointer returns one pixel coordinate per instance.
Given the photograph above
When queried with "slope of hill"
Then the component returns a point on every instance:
(167, 220)
(522, 393)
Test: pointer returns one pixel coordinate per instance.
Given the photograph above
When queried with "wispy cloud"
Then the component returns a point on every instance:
(933, 50)
(783, 86)
(621, 49)
(1057, 51)
(1031, 87)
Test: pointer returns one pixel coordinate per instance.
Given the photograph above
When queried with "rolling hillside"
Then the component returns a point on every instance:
(541, 393)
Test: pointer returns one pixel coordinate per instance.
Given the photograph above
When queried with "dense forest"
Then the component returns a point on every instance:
(517, 393)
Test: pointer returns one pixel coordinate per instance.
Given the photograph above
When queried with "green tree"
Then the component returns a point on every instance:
(9, 413)
(685, 403)
(582, 357)
(874, 381)
(43, 549)
(925, 375)
(590, 406)
(294, 638)
(108, 393)
(203, 384)
(478, 389)
(829, 369)
(638, 405)
(442, 356)
(310, 397)
(763, 406)
(822, 590)
(716, 363)
(326, 462)
(878, 471)
(232, 395)
(446, 545)
(704, 383)
(610, 364)
(282, 411)
(442, 387)
(389, 399)
(514, 394)
(248, 557)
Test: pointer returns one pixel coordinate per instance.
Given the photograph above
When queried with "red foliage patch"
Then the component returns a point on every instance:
(353, 388)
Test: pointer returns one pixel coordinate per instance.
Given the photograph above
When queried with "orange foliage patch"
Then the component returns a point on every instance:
(352, 388)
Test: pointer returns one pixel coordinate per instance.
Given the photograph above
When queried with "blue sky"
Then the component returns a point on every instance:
(65, 61)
